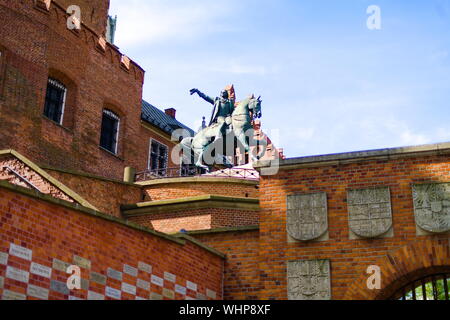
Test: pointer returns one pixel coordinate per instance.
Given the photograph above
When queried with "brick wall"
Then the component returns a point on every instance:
(43, 232)
(36, 44)
(349, 258)
(197, 219)
(198, 186)
(241, 276)
(106, 195)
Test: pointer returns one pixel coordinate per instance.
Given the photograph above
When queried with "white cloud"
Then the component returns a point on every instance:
(150, 21)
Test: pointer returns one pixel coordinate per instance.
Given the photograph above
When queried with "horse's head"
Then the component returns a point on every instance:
(255, 107)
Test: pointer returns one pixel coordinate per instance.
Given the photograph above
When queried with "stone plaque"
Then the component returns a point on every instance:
(139, 298)
(130, 270)
(157, 280)
(210, 294)
(170, 294)
(128, 288)
(307, 217)
(432, 206)
(189, 298)
(309, 280)
(84, 284)
(3, 258)
(191, 286)
(81, 262)
(98, 278)
(41, 270)
(59, 286)
(201, 296)
(143, 284)
(11, 295)
(17, 274)
(37, 292)
(114, 274)
(2, 282)
(144, 267)
(20, 252)
(369, 211)
(60, 265)
(155, 296)
(170, 277)
(95, 296)
(180, 289)
(112, 293)
(74, 298)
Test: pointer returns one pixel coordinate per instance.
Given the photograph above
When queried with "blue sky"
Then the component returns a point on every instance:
(328, 83)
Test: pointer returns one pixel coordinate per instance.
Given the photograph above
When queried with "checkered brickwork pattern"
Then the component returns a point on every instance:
(24, 277)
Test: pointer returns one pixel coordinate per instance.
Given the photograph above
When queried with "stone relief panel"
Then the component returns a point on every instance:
(309, 280)
(369, 211)
(307, 217)
(432, 206)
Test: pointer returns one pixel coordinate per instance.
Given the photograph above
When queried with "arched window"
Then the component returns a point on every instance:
(434, 287)
(55, 100)
(109, 136)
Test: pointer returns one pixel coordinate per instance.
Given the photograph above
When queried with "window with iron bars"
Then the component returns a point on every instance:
(55, 100)
(110, 131)
(434, 287)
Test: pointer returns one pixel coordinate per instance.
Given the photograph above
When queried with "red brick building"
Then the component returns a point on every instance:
(73, 123)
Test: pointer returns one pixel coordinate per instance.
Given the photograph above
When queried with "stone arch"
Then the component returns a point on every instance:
(402, 266)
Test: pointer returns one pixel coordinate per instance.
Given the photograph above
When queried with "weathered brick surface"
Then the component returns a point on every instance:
(350, 258)
(241, 276)
(36, 44)
(55, 232)
(197, 219)
(107, 196)
(166, 191)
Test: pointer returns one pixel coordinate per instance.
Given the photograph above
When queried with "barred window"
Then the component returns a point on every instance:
(55, 100)
(158, 159)
(110, 131)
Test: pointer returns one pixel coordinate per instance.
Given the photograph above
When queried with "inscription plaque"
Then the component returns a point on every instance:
(155, 296)
(17, 274)
(170, 277)
(95, 296)
(369, 211)
(180, 289)
(157, 280)
(130, 270)
(143, 284)
(144, 267)
(20, 252)
(210, 294)
(432, 206)
(112, 293)
(170, 294)
(309, 280)
(98, 278)
(307, 216)
(59, 286)
(81, 262)
(3, 258)
(114, 274)
(191, 286)
(40, 270)
(128, 288)
(37, 292)
(11, 295)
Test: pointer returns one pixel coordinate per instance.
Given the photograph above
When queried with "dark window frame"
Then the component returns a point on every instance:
(55, 100)
(158, 159)
(109, 131)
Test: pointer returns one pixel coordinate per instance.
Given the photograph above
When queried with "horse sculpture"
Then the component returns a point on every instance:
(240, 127)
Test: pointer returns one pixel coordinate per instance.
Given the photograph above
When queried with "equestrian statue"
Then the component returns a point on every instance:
(230, 121)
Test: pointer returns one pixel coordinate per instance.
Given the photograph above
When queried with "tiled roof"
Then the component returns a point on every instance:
(160, 119)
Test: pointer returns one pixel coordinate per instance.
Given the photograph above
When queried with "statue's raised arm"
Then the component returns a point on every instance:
(202, 95)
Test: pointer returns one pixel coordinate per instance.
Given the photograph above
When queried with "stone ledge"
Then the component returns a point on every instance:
(222, 230)
(359, 156)
(199, 202)
(198, 180)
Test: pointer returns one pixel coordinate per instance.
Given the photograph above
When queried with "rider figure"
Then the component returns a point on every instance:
(222, 111)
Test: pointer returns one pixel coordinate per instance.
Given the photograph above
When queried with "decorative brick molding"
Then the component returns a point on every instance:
(402, 266)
